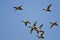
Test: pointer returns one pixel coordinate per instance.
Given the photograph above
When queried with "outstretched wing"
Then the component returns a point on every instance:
(40, 26)
(31, 30)
(51, 26)
(42, 34)
(48, 7)
(34, 23)
(56, 24)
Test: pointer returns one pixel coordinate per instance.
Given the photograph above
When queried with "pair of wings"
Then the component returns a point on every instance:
(34, 25)
(52, 24)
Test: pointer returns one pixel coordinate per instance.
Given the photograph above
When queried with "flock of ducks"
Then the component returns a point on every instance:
(39, 29)
(33, 27)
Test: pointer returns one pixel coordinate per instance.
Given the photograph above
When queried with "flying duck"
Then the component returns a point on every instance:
(18, 8)
(33, 27)
(26, 22)
(41, 35)
(39, 29)
(53, 24)
(48, 8)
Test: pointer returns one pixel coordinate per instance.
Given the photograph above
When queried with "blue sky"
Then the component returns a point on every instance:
(11, 27)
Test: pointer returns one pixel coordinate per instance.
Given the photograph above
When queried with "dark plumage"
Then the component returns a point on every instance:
(33, 27)
(48, 8)
(53, 24)
(39, 29)
(26, 22)
(18, 8)
(41, 35)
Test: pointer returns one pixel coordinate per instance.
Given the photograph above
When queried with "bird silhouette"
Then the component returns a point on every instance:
(53, 24)
(48, 8)
(18, 8)
(26, 22)
(33, 27)
(41, 35)
(39, 29)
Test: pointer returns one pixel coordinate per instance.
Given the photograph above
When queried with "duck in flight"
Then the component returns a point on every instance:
(18, 8)
(39, 29)
(26, 22)
(53, 24)
(41, 35)
(33, 27)
(48, 8)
